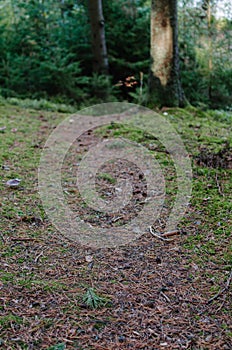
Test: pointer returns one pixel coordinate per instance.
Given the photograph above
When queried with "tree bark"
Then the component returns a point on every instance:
(99, 50)
(210, 45)
(164, 81)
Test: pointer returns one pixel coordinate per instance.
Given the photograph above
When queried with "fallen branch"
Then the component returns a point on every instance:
(170, 233)
(160, 236)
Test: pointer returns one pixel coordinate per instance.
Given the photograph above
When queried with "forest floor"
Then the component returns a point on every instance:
(150, 294)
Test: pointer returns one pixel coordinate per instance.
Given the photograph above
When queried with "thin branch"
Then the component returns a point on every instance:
(39, 256)
(171, 233)
(165, 297)
(158, 235)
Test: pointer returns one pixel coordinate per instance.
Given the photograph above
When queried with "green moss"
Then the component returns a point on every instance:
(6, 321)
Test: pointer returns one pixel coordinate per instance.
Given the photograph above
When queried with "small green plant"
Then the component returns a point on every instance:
(92, 300)
(107, 177)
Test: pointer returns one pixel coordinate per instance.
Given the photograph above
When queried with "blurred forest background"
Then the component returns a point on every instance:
(45, 51)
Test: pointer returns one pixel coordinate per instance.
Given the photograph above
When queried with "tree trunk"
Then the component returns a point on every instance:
(210, 44)
(164, 81)
(100, 59)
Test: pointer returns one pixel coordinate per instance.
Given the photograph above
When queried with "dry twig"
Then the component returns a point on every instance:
(163, 235)
(38, 256)
(171, 233)
(165, 297)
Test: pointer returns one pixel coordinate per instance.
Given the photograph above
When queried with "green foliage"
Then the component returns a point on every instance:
(204, 51)
(97, 87)
(45, 51)
(92, 300)
(128, 36)
(38, 57)
(107, 177)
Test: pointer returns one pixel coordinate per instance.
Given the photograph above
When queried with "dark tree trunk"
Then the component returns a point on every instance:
(207, 7)
(164, 81)
(100, 59)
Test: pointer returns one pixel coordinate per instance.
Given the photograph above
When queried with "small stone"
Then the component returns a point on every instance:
(13, 182)
(5, 167)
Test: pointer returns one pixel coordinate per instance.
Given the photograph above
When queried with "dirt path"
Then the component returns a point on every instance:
(158, 295)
